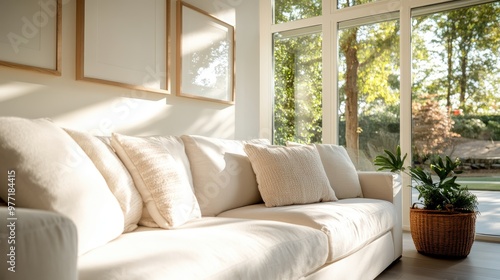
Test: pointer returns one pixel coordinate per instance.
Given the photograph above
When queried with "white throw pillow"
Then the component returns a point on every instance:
(114, 172)
(145, 219)
(53, 173)
(223, 177)
(289, 175)
(340, 170)
(158, 167)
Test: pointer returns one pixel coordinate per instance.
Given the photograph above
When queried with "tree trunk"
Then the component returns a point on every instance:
(449, 52)
(463, 75)
(351, 90)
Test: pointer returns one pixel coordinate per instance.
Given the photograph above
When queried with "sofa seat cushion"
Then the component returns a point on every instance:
(209, 248)
(349, 224)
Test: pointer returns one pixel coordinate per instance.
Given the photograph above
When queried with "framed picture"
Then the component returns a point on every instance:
(30, 35)
(124, 43)
(205, 58)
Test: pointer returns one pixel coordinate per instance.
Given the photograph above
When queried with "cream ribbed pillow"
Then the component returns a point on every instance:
(160, 178)
(289, 175)
(114, 172)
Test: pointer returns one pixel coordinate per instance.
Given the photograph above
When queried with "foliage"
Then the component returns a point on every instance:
(485, 127)
(290, 10)
(351, 3)
(432, 127)
(298, 88)
(493, 128)
(469, 128)
(456, 54)
(392, 162)
(443, 194)
(378, 131)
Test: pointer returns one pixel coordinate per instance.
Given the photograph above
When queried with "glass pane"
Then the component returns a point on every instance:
(290, 10)
(297, 87)
(349, 3)
(368, 85)
(456, 99)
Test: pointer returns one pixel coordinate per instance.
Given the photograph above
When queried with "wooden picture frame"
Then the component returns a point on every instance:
(205, 56)
(31, 35)
(124, 43)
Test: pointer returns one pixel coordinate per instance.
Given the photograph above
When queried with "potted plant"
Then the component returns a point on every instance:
(445, 226)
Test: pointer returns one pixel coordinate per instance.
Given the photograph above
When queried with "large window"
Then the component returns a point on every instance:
(370, 75)
(297, 86)
(368, 89)
(456, 97)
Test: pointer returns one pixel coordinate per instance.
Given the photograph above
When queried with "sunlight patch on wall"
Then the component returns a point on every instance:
(112, 116)
(13, 90)
(220, 123)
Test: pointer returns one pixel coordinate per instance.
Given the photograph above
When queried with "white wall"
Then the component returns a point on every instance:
(101, 109)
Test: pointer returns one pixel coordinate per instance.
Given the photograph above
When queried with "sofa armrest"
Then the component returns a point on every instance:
(386, 186)
(380, 185)
(36, 244)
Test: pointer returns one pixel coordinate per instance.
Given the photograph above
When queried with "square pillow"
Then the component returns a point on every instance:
(53, 173)
(114, 172)
(158, 168)
(340, 171)
(223, 177)
(289, 175)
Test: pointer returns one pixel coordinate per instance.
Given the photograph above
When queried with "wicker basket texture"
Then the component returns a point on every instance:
(442, 233)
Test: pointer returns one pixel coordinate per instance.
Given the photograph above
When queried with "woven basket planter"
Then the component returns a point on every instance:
(442, 233)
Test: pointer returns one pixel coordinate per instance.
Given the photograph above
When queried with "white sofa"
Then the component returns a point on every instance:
(188, 207)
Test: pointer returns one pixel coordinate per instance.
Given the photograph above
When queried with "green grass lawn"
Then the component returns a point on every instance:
(481, 183)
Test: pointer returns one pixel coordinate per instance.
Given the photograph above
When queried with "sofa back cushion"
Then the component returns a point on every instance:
(160, 170)
(114, 172)
(223, 177)
(289, 175)
(53, 173)
(340, 170)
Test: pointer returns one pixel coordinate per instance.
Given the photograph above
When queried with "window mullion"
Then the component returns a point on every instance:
(291, 25)
(405, 104)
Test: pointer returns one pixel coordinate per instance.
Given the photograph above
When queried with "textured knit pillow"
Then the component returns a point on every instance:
(160, 176)
(289, 175)
(114, 172)
(340, 170)
(53, 173)
(223, 177)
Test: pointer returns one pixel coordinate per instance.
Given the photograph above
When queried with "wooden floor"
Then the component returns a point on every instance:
(482, 263)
